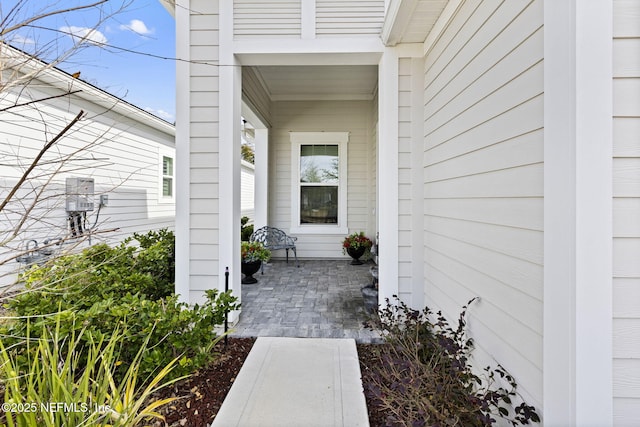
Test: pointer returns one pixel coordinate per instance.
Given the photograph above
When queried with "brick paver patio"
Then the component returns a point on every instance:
(320, 299)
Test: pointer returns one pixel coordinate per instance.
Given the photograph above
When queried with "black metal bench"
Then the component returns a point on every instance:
(274, 239)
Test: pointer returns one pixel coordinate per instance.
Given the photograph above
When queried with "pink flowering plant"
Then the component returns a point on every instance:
(254, 251)
(356, 241)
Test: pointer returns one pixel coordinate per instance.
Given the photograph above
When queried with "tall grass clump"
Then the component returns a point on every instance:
(60, 379)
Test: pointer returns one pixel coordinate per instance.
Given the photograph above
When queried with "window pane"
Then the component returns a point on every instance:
(167, 187)
(167, 166)
(319, 163)
(318, 204)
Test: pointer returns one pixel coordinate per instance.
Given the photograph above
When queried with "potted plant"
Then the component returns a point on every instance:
(356, 245)
(253, 255)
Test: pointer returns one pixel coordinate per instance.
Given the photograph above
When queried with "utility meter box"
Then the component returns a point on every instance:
(79, 194)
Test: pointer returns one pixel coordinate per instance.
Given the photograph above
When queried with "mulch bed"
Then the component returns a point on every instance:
(201, 395)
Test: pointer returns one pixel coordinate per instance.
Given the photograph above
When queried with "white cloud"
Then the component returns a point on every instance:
(84, 34)
(138, 27)
(18, 40)
(160, 113)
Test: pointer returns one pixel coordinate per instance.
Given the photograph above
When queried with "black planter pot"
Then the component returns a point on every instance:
(356, 254)
(249, 269)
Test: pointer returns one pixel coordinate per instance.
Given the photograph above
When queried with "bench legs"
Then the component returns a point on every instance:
(294, 254)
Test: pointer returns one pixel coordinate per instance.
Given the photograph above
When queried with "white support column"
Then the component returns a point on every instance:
(229, 155)
(261, 178)
(182, 151)
(577, 355)
(388, 174)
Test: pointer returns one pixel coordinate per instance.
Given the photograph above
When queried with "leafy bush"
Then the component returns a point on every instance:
(105, 287)
(57, 388)
(425, 377)
(245, 230)
(158, 259)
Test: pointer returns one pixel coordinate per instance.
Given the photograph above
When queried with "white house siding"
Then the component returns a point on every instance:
(122, 151)
(288, 18)
(314, 116)
(349, 18)
(203, 133)
(483, 181)
(266, 18)
(626, 213)
(247, 206)
(410, 206)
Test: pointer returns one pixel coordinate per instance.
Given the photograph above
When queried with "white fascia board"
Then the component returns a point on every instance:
(396, 19)
(170, 6)
(364, 51)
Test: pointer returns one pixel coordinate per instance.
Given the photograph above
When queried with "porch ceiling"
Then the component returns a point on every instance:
(318, 82)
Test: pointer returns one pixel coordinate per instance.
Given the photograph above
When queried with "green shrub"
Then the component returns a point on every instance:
(245, 230)
(158, 260)
(105, 287)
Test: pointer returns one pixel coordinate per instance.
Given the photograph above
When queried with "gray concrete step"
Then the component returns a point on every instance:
(296, 382)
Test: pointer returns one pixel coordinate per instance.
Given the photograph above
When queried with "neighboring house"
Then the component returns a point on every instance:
(494, 146)
(127, 152)
(247, 184)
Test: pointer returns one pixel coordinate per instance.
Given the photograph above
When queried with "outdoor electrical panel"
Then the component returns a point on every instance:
(79, 194)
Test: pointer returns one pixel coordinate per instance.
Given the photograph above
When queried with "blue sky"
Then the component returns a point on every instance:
(121, 56)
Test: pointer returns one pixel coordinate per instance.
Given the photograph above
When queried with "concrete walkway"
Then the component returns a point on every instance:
(297, 382)
(319, 299)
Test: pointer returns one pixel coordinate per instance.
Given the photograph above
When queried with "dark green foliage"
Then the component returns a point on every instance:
(245, 230)
(426, 379)
(126, 287)
(158, 259)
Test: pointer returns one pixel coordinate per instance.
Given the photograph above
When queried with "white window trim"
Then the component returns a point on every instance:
(165, 152)
(304, 138)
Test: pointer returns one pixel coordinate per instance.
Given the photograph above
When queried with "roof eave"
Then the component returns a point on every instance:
(396, 20)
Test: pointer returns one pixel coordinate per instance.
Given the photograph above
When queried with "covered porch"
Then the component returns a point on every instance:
(320, 299)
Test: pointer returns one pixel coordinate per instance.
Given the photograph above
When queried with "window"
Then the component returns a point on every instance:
(167, 178)
(319, 181)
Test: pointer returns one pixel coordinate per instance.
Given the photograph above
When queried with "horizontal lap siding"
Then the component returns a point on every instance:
(120, 153)
(204, 204)
(349, 17)
(626, 213)
(483, 181)
(330, 116)
(405, 182)
(247, 177)
(266, 18)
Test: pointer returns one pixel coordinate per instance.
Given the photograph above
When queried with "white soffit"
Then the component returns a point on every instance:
(319, 82)
(411, 21)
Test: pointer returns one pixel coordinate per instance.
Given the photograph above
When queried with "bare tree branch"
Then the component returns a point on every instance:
(44, 149)
(24, 104)
(38, 17)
